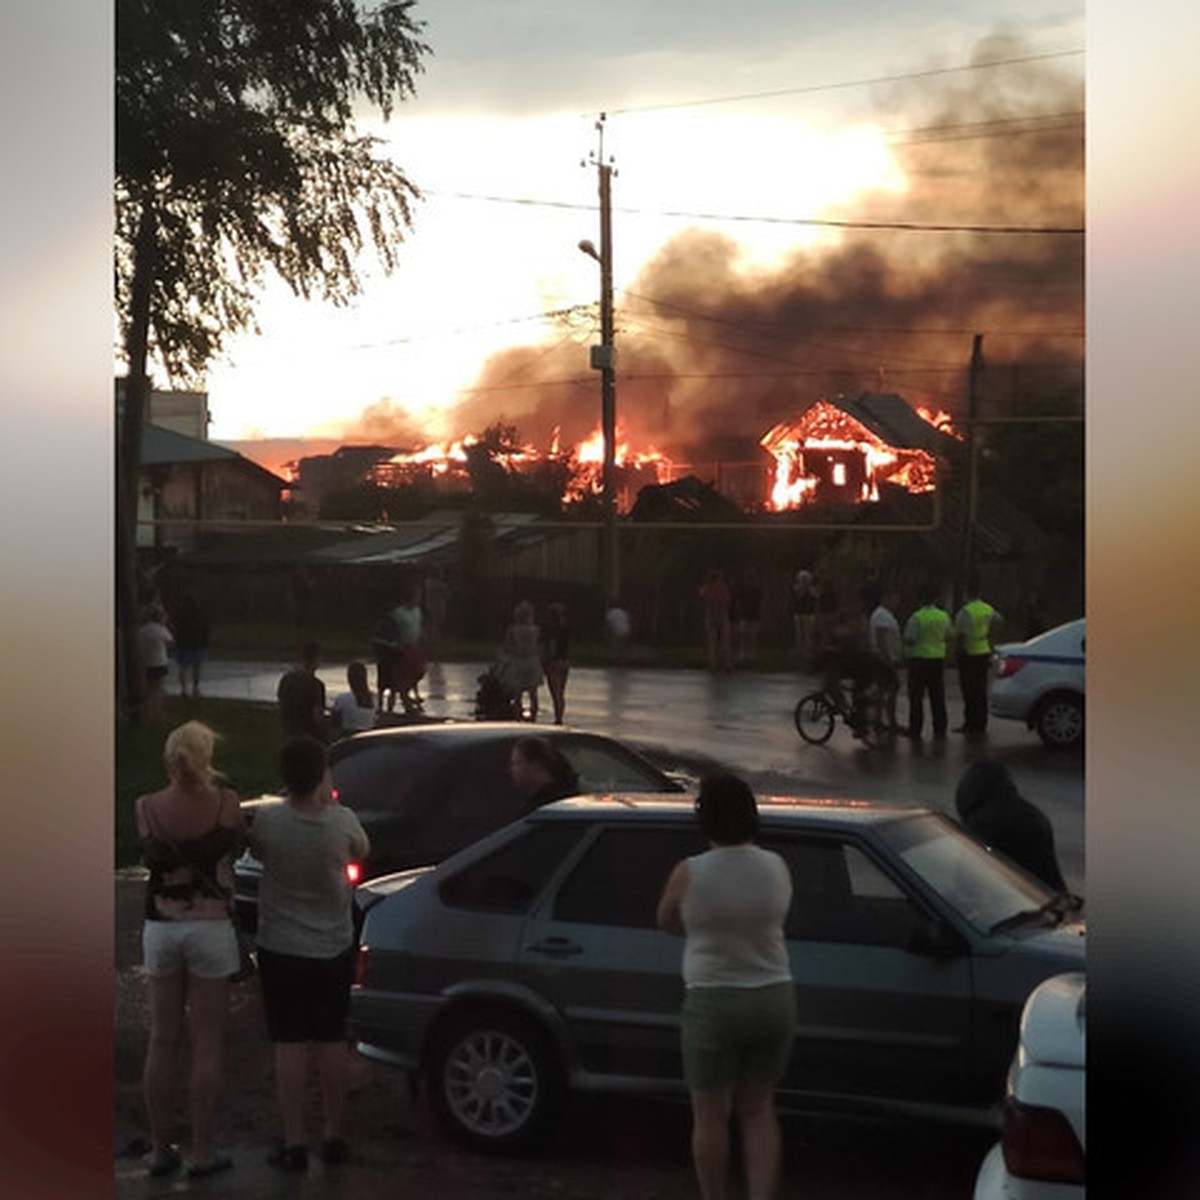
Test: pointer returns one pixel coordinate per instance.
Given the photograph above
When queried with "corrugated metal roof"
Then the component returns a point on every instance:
(166, 448)
(438, 531)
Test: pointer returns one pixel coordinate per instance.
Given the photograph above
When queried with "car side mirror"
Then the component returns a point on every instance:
(934, 939)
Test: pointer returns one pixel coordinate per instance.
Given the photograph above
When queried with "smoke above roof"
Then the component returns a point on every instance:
(711, 353)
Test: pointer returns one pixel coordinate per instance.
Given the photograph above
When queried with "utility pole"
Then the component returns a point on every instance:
(603, 359)
(966, 566)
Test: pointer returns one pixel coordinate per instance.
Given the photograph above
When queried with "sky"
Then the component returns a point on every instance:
(705, 115)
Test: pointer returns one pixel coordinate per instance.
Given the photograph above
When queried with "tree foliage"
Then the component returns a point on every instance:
(238, 151)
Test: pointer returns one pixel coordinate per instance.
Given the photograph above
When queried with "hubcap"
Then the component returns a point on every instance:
(1063, 723)
(491, 1083)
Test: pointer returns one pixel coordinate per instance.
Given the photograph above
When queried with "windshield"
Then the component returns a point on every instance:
(977, 884)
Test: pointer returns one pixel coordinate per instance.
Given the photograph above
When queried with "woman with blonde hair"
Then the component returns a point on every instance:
(191, 830)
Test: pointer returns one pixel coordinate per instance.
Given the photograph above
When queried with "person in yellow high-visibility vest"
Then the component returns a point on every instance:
(973, 624)
(927, 638)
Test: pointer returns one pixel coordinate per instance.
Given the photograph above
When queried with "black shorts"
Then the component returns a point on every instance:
(305, 999)
(157, 672)
(385, 668)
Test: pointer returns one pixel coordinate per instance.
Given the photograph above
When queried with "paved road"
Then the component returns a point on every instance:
(743, 720)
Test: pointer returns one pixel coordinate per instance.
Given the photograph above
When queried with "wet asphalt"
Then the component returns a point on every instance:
(742, 720)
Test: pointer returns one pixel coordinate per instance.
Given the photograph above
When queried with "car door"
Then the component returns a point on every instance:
(593, 950)
(877, 1017)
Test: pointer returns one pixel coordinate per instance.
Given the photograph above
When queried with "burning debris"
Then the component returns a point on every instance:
(448, 465)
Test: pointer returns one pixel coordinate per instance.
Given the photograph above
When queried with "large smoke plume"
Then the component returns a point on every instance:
(710, 355)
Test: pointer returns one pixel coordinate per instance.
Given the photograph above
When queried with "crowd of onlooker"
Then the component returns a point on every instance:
(738, 1013)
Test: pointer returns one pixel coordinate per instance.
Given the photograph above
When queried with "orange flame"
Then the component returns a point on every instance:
(588, 463)
(940, 420)
(826, 453)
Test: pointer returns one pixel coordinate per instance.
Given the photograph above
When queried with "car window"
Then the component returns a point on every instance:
(382, 776)
(606, 768)
(840, 894)
(509, 879)
(971, 880)
(620, 878)
(476, 794)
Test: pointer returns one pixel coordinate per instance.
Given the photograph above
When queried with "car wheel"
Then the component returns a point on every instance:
(1059, 720)
(814, 718)
(494, 1080)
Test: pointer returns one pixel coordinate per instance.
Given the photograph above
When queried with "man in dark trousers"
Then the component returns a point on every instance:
(301, 697)
(973, 632)
(927, 637)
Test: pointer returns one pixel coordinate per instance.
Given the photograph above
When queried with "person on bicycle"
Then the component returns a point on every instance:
(848, 658)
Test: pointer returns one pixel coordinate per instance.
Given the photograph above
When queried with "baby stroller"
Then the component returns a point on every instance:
(494, 701)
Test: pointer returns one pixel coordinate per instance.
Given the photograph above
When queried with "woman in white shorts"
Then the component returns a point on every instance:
(191, 831)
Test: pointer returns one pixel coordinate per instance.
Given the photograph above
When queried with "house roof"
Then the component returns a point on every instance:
(165, 448)
(412, 542)
(892, 420)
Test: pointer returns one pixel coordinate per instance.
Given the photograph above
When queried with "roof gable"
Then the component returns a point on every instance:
(891, 419)
(165, 448)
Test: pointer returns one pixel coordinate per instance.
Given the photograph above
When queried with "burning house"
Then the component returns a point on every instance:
(848, 449)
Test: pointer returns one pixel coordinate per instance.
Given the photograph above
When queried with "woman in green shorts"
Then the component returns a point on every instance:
(739, 1008)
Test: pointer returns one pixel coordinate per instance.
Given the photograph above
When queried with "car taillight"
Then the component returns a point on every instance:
(353, 871)
(360, 967)
(1039, 1143)
(1007, 667)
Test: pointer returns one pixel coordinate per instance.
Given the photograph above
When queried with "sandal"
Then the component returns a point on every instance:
(218, 1162)
(169, 1162)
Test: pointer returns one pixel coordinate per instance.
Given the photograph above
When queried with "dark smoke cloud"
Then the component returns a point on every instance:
(386, 423)
(710, 357)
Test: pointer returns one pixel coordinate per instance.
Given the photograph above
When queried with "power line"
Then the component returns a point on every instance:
(972, 131)
(849, 83)
(764, 327)
(542, 316)
(999, 125)
(901, 226)
(898, 329)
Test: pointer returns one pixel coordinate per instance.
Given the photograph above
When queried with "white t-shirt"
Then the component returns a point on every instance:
(351, 716)
(154, 641)
(304, 898)
(733, 910)
(617, 620)
(885, 636)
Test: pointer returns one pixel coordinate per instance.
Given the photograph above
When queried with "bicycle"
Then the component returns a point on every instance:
(817, 713)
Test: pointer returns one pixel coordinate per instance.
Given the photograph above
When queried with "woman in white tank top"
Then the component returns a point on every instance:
(738, 1017)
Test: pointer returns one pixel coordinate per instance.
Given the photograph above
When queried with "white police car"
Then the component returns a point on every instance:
(1040, 1155)
(1040, 682)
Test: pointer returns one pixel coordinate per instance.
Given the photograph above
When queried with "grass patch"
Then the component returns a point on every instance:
(246, 754)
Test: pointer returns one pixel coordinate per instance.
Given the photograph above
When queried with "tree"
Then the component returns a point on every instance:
(237, 153)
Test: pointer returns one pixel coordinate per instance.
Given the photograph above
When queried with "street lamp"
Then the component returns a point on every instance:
(602, 360)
